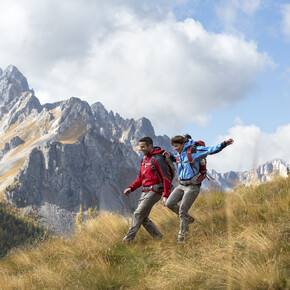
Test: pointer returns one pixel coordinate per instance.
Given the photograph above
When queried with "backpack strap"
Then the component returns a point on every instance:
(189, 156)
(189, 151)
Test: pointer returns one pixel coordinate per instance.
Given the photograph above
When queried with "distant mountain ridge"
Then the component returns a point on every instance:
(56, 157)
(263, 173)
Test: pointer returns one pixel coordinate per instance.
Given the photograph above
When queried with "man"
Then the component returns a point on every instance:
(155, 178)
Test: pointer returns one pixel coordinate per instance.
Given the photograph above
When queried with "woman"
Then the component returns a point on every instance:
(189, 186)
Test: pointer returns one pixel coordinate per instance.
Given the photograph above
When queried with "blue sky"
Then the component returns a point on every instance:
(268, 105)
(214, 69)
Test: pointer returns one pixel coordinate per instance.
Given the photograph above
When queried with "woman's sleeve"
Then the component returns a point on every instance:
(202, 152)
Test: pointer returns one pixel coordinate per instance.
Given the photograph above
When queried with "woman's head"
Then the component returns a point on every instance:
(178, 142)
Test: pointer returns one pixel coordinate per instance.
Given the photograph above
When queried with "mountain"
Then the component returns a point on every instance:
(263, 173)
(56, 157)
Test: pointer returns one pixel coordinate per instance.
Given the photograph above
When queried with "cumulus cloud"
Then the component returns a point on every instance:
(286, 20)
(252, 147)
(135, 58)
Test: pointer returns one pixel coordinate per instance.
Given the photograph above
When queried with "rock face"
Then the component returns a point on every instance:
(68, 175)
(56, 157)
(127, 131)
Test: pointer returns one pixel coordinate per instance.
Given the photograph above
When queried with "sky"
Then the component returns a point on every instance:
(211, 68)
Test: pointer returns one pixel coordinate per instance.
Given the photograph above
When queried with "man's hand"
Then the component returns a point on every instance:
(230, 141)
(164, 201)
(127, 191)
(167, 154)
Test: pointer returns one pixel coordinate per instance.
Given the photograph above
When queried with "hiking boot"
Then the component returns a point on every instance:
(180, 240)
(191, 220)
(126, 242)
(158, 237)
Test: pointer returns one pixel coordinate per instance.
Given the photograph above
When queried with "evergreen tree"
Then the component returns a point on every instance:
(16, 230)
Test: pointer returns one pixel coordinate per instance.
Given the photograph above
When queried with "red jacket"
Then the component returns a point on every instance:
(148, 177)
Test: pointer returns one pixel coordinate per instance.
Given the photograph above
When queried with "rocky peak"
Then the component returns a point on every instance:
(129, 131)
(144, 127)
(75, 113)
(101, 114)
(13, 81)
(75, 105)
(111, 126)
(99, 108)
(13, 72)
(12, 85)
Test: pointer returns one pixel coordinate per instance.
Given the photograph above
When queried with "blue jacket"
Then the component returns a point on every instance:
(185, 170)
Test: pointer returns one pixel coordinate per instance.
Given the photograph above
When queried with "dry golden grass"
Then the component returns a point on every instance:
(73, 133)
(8, 135)
(238, 241)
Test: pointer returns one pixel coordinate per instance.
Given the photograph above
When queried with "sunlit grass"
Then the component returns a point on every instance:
(239, 240)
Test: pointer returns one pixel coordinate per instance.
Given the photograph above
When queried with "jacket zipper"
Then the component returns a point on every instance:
(182, 172)
(145, 164)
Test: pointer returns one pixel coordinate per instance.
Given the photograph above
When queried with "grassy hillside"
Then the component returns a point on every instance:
(238, 241)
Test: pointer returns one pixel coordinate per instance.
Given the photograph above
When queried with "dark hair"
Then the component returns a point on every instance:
(180, 139)
(147, 140)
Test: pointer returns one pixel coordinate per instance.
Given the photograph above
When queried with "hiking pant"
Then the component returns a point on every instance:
(140, 216)
(187, 195)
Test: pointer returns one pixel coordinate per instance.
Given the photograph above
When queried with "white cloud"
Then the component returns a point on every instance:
(134, 58)
(252, 147)
(228, 11)
(250, 6)
(286, 20)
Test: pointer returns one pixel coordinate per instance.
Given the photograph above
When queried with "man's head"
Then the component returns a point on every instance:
(146, 145)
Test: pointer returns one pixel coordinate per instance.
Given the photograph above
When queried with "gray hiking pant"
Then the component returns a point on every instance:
(186, 195)
(140, 216)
